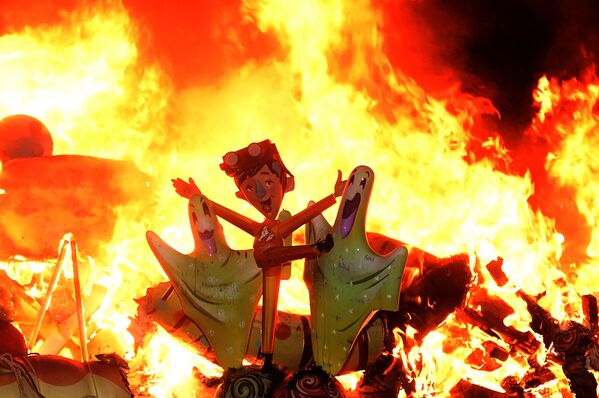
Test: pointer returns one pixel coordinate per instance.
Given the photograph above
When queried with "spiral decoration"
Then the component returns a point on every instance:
(310, 383)
(247, 386)
(572, 340)
(247, 382)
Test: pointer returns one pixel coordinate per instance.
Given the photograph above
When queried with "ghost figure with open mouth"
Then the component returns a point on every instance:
(219, 288)
(351, 283)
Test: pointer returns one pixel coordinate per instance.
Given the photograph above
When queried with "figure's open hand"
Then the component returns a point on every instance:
(186, 189)
(339, 185)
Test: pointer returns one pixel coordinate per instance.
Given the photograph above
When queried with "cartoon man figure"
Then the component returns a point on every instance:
(262, 180)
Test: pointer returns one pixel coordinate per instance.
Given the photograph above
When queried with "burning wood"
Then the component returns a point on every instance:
(50, 376)
(465, 389)
(572, 342)
(432, 290)
(494, 326)
(589, 309)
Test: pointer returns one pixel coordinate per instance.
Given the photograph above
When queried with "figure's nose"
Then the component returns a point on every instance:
(260, 191)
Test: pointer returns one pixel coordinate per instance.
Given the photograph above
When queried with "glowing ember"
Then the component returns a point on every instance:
(441, 184)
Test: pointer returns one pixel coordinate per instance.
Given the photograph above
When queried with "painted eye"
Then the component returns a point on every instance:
(268, 183)
(206, 209)
(351, 179)
(249, 188)
(363, 182)
(194, 217)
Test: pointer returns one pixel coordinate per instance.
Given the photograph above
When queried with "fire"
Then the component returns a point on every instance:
(441, 185)
(569, 118)
(165, 368)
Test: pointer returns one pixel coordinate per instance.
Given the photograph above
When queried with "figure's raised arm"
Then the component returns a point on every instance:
(304, 216)
(189, 189)
(288, 226)
(240, 221)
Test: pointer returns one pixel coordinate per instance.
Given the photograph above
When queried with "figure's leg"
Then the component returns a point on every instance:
(271, 260)
(271, 278)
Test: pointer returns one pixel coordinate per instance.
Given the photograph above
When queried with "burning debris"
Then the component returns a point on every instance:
(51, 376)
(576, 346)
(24, 374)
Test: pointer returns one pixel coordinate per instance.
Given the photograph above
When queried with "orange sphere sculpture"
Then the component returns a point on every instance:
(23, 136)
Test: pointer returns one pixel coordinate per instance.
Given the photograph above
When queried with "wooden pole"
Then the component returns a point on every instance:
(79, 303)
(48, 296)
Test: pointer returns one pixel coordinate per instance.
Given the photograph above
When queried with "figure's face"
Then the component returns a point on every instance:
(207, 231)
(264, 191)
(354, 201)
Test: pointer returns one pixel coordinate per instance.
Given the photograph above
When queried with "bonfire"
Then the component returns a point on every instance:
(99, 112)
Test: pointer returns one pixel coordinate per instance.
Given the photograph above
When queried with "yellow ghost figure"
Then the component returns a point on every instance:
(219, 288)
(351, 283)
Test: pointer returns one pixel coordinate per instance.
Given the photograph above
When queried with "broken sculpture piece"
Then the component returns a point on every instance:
(42, 197)
(23, 136)
(52, 376)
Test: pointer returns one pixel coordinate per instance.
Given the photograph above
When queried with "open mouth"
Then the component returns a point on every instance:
(348, 215)
(207, 238)
(207, 234)
(266, 205)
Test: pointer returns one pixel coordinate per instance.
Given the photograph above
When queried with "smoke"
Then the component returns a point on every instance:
(498, 50)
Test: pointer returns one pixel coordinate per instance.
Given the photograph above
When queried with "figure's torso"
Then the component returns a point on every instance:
(267, 238)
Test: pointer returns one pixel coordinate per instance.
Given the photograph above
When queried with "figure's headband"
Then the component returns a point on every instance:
(256, 154)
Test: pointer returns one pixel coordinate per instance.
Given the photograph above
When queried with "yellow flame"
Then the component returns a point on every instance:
(574, 162)
(79, 78)
(350, 381)
(163, 364)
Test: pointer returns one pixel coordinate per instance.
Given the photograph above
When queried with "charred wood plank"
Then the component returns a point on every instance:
(432, 295)
(542, 321)
(589, 309)
(494, 326)
(465, 389)
(385, 378)
(495, 268)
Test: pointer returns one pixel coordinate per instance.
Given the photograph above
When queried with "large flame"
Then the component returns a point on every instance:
(569, 118)
(435, 188)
